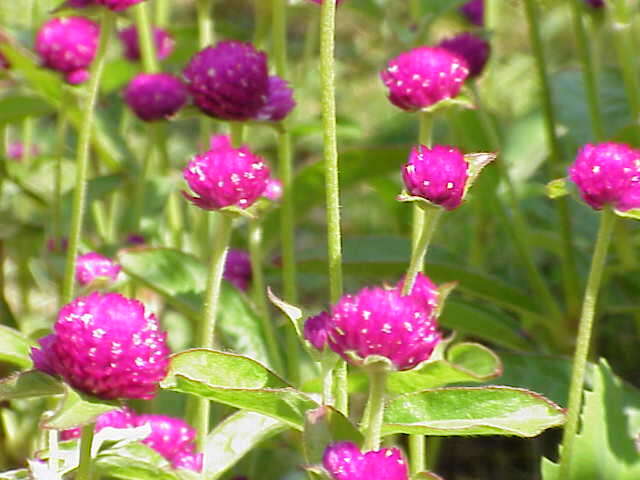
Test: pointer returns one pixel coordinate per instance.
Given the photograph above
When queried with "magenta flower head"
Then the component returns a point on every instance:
(174, 439)
(345, 461)
(79, 3)
(123, 418)
(68, 45)
(118, 5)
(424, 76)
(315, 330)
(16, 150)
(229, 81)
(237, 269)
(106, 345)
(155, 96)
(226, 176)
(424, 290)
(437, 174)
(279, 102)
(474, 11)
(92, 266)
(274, 190)
(473, 48)
(608, 174)
(129, 37)
(595, 3)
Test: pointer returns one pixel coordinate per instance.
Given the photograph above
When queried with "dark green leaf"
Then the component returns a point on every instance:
(29, 384)
(15, 347)
(18, 107)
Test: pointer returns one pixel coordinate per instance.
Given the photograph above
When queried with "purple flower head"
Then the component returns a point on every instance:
(93, 266)
(474, 11)
(226, 176)
(274, 190)
(424, 76)
(382, 322)
(438, 174)
(136, 239)
(608, 174)
(279, 103)
(118, 5)
(595, 3)
(155, 96)
(16, 150)
(345, 461)
(237, 269)
(173, 438)
(315, 330)
(68, 45)
(123, 418)
(106, 345)
(188, 461)
(319, 2)
(473, 48)
(229, 81)
(80, 3)
(129, 37)
(424, 290)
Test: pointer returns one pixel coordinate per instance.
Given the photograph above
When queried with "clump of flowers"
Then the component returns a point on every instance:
(474, 12)
(608, 174)
(237, 268)
(155, 96)
(106, 345)
(68, 45)
(163, 42)
(473, 48)
(92, 266)
(279, 102)
(345, 461)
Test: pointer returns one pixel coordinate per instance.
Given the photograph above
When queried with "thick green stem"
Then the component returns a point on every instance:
(431, 217)
(598, 261)
(27, 139)
(261, 29)
(417, 453)
(146, 39)
(375, 410)
(206, 33)
(85, 468)
(237, 134)
(163, 10)
(82, 160)
(425, 128)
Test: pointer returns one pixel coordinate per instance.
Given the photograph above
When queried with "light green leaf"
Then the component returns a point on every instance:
(21, 474)
(29, 384)
(134, 461)
(15, 347)
(15, 108)
(76, 410)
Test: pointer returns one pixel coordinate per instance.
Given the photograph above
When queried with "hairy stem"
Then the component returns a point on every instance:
(375, 410)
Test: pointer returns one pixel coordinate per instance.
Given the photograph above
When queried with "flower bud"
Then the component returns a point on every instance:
(129, 37)
(92, 266)
(473, 48)
(237, 269)
(155, 96)
(474, 11)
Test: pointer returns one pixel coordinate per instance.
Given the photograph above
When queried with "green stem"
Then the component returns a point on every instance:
(375, 410)
(82, 160)
(415, 10)
(84, 468)
(27, 139)
(431, 218)
(607, 223)
(261, 15)
(163, 10)
(56, 214)
(417, 453)
(140, 182)
(146, 39)
(425, 128)
(237, 134)
(205, 22)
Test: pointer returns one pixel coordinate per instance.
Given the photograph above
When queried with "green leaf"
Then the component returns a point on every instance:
(324, 426)
(15, 108)
(29, 384)
(21, 474)
(134, 461)
(15, 347)
(236, 436)
(76, 410)
(606, 446)
(633, 213)
(557, 188)
(464, 411)
(181, 278)
(239, 382)
(465, 363)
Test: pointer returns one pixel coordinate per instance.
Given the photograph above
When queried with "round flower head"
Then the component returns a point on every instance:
(424, 76)
(474, 11)
(279, 102)
(68, 45)
(595, 3)
(79, 3)
(424, 290)
(274, 190)
(118, 5)
(123, 418)
(608, 174)
(106, 345)
(229, 81)
(382, 322)
(437, 174)
(315, 330)
(237, 269)
(93, 266)
(345, 461)
(226, 176)
(173, 438)
(155, 96)
(163, 42)
(473, 48)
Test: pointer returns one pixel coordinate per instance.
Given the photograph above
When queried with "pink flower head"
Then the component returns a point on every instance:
(118, 5)
(123, 418)
(93, 266)
(345, 461)
(437, 174)
(424, 76)
(173, 438)
(80, 3)
(473, 48)
(474, 11)
(229, 81)
(315, 330)
(279, 102)
(226, 176)
(68, 45)
(608, 174)
(155, 96)
(274, 190)
(129, 37)
(106, 345)
(16, 150)
(424, 290)
(382, 322)
(237, 269)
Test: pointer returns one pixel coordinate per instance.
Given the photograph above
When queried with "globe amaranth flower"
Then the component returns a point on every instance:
(16, 150)
(237, 268)
(595, 3)
(378, 322)
(423, 290)
(279, 102)
(608, 174)
(92, 266)
(226, 176)
(106, 345)
(274, 190)
(79, 3)
(474, 11)
(437, 174)
(229, 80)
(118, 5)
(424, 76)
(473, 48)
(68, 45)
(345, 461)
(155, 96)
(162, 40)
(123, 418)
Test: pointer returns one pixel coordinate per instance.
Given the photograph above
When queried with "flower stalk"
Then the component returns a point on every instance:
(375, 410)
(85, 468)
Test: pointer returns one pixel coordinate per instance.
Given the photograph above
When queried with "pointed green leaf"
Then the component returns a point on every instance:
(324, 426)
(15, 108)
(29, 384)
(463, 411)
(15, 347)
(76, 410)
